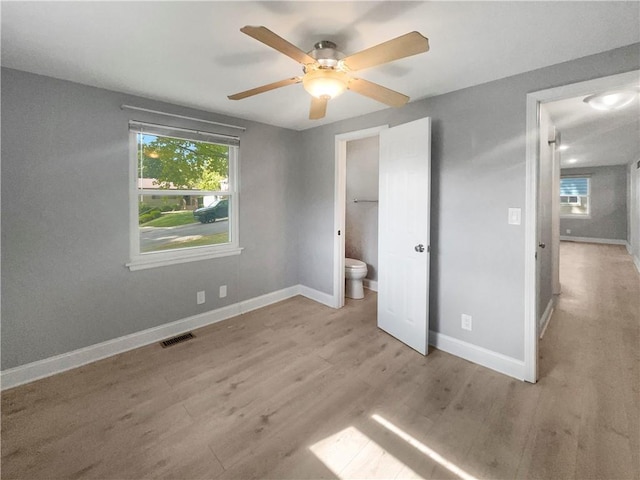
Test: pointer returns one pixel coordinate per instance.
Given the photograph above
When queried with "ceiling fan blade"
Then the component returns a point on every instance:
(377, 92)
(318, 108)
(266, 36)
(265, 88)
(401, 47)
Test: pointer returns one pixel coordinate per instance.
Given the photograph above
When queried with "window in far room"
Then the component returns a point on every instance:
(575, 193)
(184, 200)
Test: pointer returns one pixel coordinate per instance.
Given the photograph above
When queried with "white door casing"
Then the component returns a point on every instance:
(403, 232)
(339, 206)
(555, 215)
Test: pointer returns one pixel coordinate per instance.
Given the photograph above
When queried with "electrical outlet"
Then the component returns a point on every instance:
(223, 291)
(200, 297)
(568, 230)
(466, 322)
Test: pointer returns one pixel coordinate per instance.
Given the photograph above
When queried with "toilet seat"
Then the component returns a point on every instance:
(353, 264)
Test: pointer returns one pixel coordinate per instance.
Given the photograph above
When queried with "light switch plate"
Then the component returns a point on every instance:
(515, 216)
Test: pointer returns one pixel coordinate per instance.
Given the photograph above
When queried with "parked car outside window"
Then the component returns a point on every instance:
(218, 209)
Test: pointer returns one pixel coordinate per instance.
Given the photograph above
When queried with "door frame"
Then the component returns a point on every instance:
(339, 206)
(534, 100)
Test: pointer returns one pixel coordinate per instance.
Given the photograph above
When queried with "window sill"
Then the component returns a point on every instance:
(585, 217)
(154, 260)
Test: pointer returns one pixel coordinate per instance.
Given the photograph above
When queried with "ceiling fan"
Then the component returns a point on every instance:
(327, 71)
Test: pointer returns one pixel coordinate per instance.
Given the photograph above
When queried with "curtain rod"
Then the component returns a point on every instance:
(138, 123)
(140, 109)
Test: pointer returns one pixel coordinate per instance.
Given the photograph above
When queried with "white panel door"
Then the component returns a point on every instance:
(403, 233)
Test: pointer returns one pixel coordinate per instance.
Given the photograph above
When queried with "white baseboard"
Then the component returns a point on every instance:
(50, 366)
(546, 317)
(14, 377)
(268, 298)
(370, 284)
(317, 296)
(608, 241)
(495, 361)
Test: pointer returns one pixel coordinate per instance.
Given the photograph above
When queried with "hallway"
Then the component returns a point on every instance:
(591, 353)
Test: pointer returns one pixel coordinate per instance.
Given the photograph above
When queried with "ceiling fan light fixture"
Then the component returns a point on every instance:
(325, 83)
(326, 69)
(611, 100)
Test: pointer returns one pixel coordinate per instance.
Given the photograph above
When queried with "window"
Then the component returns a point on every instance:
(184, 202)
(575, 196)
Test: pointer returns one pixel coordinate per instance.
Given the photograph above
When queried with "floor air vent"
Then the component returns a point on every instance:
(178, 339)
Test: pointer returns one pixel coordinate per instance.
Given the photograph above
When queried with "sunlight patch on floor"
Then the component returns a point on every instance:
(351, 454)
(453, 468)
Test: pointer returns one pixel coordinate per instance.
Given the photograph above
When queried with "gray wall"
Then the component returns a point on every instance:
(65, 221)
(65, 233)
(478, 172)
(361, 226)
(608, 217)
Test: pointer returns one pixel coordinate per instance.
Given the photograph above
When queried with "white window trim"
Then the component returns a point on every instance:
(140, 261)
(174, 257)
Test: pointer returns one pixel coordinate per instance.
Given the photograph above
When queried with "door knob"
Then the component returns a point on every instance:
(541, 245)
(419, 248)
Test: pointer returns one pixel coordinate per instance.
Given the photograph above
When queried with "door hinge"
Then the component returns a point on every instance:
(338, 232)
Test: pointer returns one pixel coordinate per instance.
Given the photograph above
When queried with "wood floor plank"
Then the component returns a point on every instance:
(551, 449)
(298, 390)
(441, 379)
(497, 449)
(273, 415)
(459, 424)
(289, 431)
(630, 358)
(603, 438)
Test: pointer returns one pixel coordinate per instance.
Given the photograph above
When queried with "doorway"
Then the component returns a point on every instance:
(361, 209)
(404, 187)
(340, 205)
(534, 211)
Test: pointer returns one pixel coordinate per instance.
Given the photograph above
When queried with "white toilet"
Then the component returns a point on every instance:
(354, 273)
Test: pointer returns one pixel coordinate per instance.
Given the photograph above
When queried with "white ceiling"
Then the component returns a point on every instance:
(193, 53)
(595, 137)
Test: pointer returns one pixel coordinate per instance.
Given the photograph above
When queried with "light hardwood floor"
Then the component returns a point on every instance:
(298, 390)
